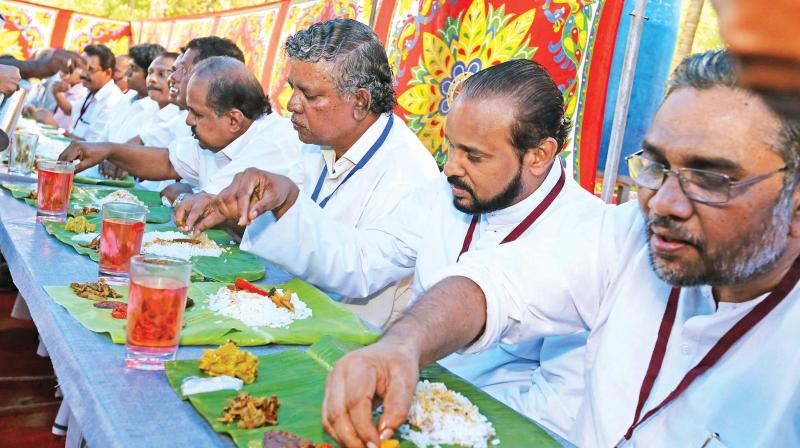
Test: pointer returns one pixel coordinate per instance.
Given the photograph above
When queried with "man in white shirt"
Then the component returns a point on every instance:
(360, 160)
(92, 114)
(233, 126)
(685, 295)
(121, 64)
(502, 181)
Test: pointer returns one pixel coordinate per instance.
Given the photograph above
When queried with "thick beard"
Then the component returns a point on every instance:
(504, 199)
(749, 256)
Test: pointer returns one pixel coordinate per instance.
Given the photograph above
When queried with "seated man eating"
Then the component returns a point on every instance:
(691, 297)
(503, 181)
(233, 129)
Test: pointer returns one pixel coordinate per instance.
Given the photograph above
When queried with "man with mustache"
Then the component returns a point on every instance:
(503, 180)
(123, 61)
(691, 297)
(361, 160)
(92, 114)
(233, 129)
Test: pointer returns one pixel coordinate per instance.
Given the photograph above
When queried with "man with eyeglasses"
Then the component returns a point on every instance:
(691, 297)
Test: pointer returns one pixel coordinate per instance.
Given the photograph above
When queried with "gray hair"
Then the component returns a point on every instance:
(358, 56)
(715, 69)
(232, 85)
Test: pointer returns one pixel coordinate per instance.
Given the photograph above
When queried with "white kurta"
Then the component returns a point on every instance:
(425, 235)
(91, 126)
(161, 117)
(598, 277)
(401, 165)
(270, 143)
(129, 119)
(169, 129)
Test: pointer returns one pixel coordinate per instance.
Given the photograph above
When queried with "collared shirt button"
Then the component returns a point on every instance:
(685, 349)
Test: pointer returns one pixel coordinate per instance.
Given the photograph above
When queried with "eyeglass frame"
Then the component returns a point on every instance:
(731, 184)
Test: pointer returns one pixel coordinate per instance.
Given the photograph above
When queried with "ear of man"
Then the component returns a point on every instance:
(362, 100)
(539, 159)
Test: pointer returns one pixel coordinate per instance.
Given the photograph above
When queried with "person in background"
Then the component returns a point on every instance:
(691, 295)
(361, 160)
(233, 129)
(41, 95)
(68, 90)
(43, 67)
(121, 64)
(92, 114)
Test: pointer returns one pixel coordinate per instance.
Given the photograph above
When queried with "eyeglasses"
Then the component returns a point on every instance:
(707, 187)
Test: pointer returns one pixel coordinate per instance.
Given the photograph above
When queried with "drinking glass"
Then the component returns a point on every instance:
(22, 153)
(54, 186)
(121, 234)
(156, 301)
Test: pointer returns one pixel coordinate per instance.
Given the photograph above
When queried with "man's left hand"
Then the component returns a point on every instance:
(196, 207)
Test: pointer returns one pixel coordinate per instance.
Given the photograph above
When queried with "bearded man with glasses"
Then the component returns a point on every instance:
(691, 296)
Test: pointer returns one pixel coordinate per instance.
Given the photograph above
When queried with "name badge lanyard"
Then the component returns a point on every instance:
(361, 163)
(524, 224)
(713, 356)
(85, 107)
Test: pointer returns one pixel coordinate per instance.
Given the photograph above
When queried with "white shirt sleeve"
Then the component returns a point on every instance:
(184, 154)
(555, 287)
(348, 261)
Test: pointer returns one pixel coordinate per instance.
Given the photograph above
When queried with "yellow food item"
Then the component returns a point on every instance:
(390, 443)
(79, 224)
(230, 360)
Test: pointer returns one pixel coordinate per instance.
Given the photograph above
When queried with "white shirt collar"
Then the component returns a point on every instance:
(167, 112)
(355, 153)
(240, 143)
(514, 214)
(107, 90)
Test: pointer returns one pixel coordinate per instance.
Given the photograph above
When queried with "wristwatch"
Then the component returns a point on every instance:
(179, 199)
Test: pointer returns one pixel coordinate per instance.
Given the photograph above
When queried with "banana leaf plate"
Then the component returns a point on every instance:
(297, 378)
(204, 327)
(87, 197)
(91, 180)
(232, 264)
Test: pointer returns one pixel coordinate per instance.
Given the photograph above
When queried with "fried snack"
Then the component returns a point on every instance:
(281, 439)
(79, 224)
(390, 443)
(251, 412)
(94, 244)
(86, 211)
(33, 194)
(230, 360)
(94, 291)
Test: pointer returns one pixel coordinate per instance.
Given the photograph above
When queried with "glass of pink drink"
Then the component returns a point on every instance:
(55, 185)
(156, 300)
(121, 234)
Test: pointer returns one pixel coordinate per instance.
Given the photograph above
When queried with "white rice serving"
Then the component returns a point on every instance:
(119, 196)
(441, 416)
(85, 237)
(256, 310)
(161, 243)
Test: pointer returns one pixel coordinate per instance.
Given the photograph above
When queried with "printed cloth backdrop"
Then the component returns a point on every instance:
(30, 27)
(431, 44)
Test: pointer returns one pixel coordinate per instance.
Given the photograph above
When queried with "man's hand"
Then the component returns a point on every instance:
(254, 192)
(9, 79)
(44, 116)
(112, 171)
(58, 60)
(196, 207)
(89, 154)
(385, 371)
(59, 87)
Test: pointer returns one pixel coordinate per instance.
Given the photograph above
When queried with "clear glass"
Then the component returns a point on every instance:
(156, 301)
(55, 184)
(121, 234)
(22, 154)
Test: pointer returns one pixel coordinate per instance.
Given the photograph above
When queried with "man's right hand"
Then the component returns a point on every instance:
(9, 79)
(58, 60)
(89, 154)
(254, 192)
(383, 371)
(59, 87)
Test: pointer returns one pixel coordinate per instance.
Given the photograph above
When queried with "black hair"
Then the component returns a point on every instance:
(539, 111)
(209, 46)
(144, 54)
(357, 53)
(104, 55)
(231, 85)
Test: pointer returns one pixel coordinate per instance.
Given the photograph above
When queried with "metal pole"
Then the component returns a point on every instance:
(623, 100)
